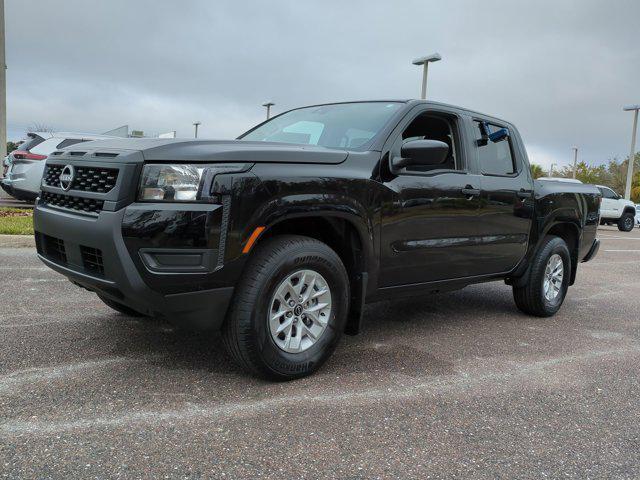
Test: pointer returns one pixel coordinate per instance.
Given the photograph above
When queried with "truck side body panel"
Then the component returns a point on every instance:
(408, 233)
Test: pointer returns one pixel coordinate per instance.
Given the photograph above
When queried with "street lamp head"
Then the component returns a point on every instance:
(629, 108)
(268, 104)
(197, 123)
(434, 57)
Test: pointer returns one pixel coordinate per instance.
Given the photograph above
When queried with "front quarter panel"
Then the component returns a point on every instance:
(296, 191)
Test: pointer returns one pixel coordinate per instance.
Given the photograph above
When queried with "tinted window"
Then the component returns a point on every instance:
(432, 127)
(346, 125)
(495, 158)
(68, 142)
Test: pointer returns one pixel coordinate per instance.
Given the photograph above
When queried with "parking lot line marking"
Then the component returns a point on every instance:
(463, 381)
(42, 324)
(619, 238)
(622, 250)
(40, 269)
(19, 378)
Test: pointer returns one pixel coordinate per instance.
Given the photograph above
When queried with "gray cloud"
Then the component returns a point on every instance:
(560, 70)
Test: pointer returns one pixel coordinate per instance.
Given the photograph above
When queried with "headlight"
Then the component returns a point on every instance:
(181, 183)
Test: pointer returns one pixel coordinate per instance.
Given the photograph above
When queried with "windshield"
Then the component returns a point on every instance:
(346, 125)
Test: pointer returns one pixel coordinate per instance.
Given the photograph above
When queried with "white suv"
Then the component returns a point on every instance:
(615, 209)
(26, 164)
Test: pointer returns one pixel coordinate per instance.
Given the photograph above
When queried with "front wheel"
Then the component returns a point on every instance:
(625, 224)
(289, 309)
(548, 282)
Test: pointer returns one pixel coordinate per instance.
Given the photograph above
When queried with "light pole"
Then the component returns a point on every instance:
(632, 154)
(268, 105)
(424, 61)
(551, 170)
(575, 161)
(196, 125)
(3, 90)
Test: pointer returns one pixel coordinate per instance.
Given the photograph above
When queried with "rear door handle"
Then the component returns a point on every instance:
(469, 191)
(525, 194)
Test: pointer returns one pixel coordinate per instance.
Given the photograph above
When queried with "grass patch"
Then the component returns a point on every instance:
(16, 221)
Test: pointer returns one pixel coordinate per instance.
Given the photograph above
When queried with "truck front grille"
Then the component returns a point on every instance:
(86, 179)
(79, 204)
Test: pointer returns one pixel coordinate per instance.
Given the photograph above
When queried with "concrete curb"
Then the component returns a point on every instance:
(17, 241)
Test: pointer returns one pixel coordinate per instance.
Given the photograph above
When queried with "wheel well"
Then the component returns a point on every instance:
(343, 237)
(570, 234)
(630, 210)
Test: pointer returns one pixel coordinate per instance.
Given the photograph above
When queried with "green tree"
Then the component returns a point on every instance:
(635, 188)
(11, 146)
(536, 171)
(613, 174)
(618, 173)
(586, 173)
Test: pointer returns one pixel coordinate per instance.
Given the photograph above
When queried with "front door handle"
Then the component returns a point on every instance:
(523, 194)
(469, 191)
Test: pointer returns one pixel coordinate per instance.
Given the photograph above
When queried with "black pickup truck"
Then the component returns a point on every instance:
(280, 237)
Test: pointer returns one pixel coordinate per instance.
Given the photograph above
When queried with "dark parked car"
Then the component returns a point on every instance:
(279, 238)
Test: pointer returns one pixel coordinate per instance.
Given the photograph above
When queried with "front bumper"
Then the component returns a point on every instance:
(92, 252)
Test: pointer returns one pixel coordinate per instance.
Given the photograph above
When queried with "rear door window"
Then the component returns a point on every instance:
(495, 158)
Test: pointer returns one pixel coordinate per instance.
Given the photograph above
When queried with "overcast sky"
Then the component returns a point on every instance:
(560, 70)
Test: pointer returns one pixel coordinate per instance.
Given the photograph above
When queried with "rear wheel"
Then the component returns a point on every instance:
(118, 307)
(625, 224)
(548, 282)
(289, 309)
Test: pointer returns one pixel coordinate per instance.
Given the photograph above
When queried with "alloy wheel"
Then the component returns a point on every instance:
(299, 311)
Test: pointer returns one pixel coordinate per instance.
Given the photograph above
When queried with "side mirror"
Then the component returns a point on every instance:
(499, 135)
(420, 152)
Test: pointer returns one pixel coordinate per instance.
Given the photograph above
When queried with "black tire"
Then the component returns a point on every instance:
(530, 298)
(118, 307)
(625, 223)
(246, 333)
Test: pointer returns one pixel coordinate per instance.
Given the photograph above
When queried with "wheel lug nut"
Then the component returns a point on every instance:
(291, 303)
(289, 314)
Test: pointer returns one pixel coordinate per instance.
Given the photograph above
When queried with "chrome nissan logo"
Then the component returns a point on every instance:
(66, 177)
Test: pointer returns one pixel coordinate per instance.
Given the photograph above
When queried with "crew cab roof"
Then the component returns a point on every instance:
(166, 149)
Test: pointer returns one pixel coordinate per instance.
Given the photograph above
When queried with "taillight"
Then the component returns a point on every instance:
(24, 155)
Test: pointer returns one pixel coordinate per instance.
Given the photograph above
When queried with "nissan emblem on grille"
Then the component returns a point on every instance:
(66, 177)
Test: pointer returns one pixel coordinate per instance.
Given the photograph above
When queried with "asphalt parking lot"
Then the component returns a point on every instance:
(454, 385)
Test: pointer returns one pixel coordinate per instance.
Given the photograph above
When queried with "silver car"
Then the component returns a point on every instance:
(24, 166)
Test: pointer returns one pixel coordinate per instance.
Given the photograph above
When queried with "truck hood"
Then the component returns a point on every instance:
(178, 150)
